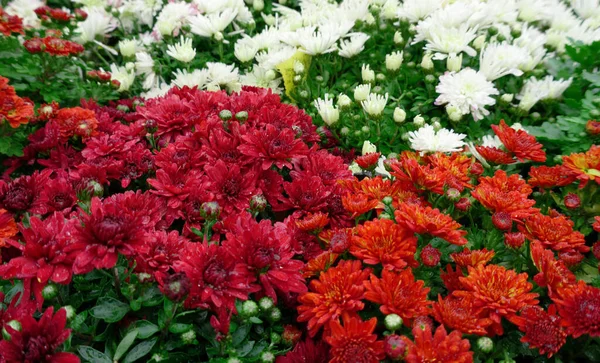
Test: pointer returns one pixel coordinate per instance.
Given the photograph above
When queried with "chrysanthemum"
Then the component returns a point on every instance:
(596, 224)
(384, 242)
(319, 264)
(232, 186)
(503, 292)
(355, 341)
(315, 42)
(8, 226)
(399, 293)
(182, 51)
(461, 314)
(273, 147)
(579, 308)
(327, 111)
(535, 90)
(426, 220)
(338, 291)
(416, 177)
(455, 167)
(163, 249)
(500, 59)
(472, 258)
(518, 142)
(374, 104)
(546, 177)
(555, 233)
(553, 273)
(358, 204)
(24, 193)
(427, 139)
(586, 166)
(467, 91)
(542, 329)
(353, 46)
(448, 41)
(504, 193)
(438, 347)
(451, 278)
(307, 351)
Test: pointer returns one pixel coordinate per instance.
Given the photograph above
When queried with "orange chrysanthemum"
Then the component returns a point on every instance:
(542, 329)
(416, 177)
(358, 204)
(555, 233)
(312, 222)
(338, 290)
(319, 264)
(8, 226)
(461, 314)
(399, 293)
(455, 168)
(425, 220)
(579, 308)
(438, 347)
(76, 121)
(546, 177)
(586, 166)
(354, 341)
(503, 292)
(337, 240)
(451, 278)
(521, 144)
(495, 156)
(472, 258)
(383, 241)
(503, 193)
(554, 273)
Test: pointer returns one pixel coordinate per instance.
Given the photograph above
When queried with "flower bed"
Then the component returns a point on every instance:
(356, 182)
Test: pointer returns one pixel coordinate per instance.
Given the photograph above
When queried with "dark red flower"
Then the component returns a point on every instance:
(76, 121)
(307, 351)
(355, 341)
(24, 193)
(502, 220)
(231, 185)
(57, 195)
(572, 201)
(10, 24)
(175, 287)
(430, 256)
(592, 127)
(174, 116)
(494, 155)
(542, 329)
(273, 147)
(579, 307)
(161, 250)
(307, 194)
(518, 142)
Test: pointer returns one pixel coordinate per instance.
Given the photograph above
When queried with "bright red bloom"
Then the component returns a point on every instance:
(37, 341)
(76, 121)
(57, 195)
(313, 222)
(455, 167)
(503, 292)
(174, 116)
(502, 220)
(438, 347)
(521, 144)
(331, 169)
(586, 166)
(8, 226)
(368, 161)
(430, 256)
(472, 258)
(307, 351)
(10, 24)
(338, 290)
(592, 127)
(553, 273)
(495, 156)
(514, 239)
(162, 250)
(175, 186)
(355, 341)
(273, 147)
(461, 314)
(375, 189)
(503, 193)
(319, 264)
(47, 255)
(383, 241)
(546, 177)
(232, 186)
(425, 220)
(416, 177)
(307, 194)
(395, 347)
(542, 329)
(596, 224)
(571, 258)
(399, 293)
(61, 47)
(451, 278)
(338, 240)
(579, 308)
(555, 233)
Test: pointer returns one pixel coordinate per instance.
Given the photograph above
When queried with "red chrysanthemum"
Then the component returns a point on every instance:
(375, 189)
(384, 242)
(307, 194)
(339, 290)
(232, 186)
(416, 177)
(546, 177)
(596, 224)
(173, 115)
(438, 347)
(307, 351)
(472, 258)
(542, 329)
(503, 292)
(451, 278)
(579, 308)
(368, 161)
(521, 144)
(585, 166)
(37, 341)
(358, 204)
(555, 233)
(10, 24)
(162, 250)
(24, 193)
(8, 226)
(313, 222)
(399, 293)
(455, 168)
(273, 147)
(338, 239)
(14, 109)
(554, 274)
(461, 314)
(354, 341)
(76, 121)
(495, 156)
(425, 220)
(58, 195)
(319, 264)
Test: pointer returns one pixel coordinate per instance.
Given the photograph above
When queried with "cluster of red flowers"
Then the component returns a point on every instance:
(13, 109)
(47, 13)
(53, 45)
(518, 146)
(10, 24)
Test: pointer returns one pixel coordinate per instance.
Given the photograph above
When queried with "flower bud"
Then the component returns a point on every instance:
(393, 322)
(422, 322)
(395, 347)
(427, 63)
(485, 344)
(189, 337)
(49, 292)
(225, 115)
(514, 240)
(398, 39)
(210, 211)
(266, 303)
(291, 335)
(571, 258)
(592, 127)
(502, 221)
(399, 115)
(241, 116)
(70, 311)
(454, 62)
(298, 67)
(463, 204)
(367, 74)
(249, 309)
(453, 194)
(14, 324)
(362, 92)
(393, 61)
(507, 98)
(275, 314)
(258, 5)
(479, 42)
(572, 201)
(419, 121)
(275, 338)
(176, 287)
(343, 101)
(267, 357)
(430, 256)
(596, 250)
(368, 147)
(258, 203)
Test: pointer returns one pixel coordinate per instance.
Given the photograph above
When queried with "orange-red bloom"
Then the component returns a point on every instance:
(579, 308)
(546, 177)
(555, 233)
(596, 225)
(454, 167)
(338, 240)
(592, 127)
(399, 293)
(425, 220)
(495, 156)
(553, 273)
(461, 314)
(374, 188)
(503, 292)
(8, 227)
(358, 204)
(339, 290)
(451, 278)
(368, 161)
(10, 24)
(503, 193)
(14, 109)
(521, 144)
(542, 329)
(438, 347)
(383, 241)
(312, 222)
(319, 264)
(586, 166)
(76, 121)
(472, 258)
(355, 341)
(416, 177)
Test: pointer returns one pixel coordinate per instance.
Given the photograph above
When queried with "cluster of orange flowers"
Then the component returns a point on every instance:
(14, 109)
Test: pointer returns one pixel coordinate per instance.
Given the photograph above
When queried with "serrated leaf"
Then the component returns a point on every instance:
(89, 354)
(109, 309)
(140, 350)
(125, 344)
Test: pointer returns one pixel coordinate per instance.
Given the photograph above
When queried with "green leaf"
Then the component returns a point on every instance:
(245, 348)
(140, 350)
(145, 328)
(125, 344)
(109, 309)
(240, 334)
(152, 297)
(180, 328)
(79, 320)
(258, 348)
(255, 320)
(89, 354)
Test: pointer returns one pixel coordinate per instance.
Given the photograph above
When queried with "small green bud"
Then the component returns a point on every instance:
(157, 357)
(266, 303)
(393, 322)
(385, 216)
(225, 115)
(189, 337)
(275, 314)
(387, 200)
(234, 360)
(275, 338)
(49, 292)
(70, 312)
(241, 116)
(249, 309)
(267, 357)
(485, 344)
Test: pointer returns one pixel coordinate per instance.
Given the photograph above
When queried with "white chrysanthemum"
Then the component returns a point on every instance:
(245, 49)
(172, 17)
(212, 25)
(502, 11)
(199, 77)
(500, 59)
(124, 76)
(586, 8)
(445, 41)
(415, 10)
(491, 141)
(144, 65)
(565, 20)
(353, 46)
(374, 104)
(262, 77)
(533, 10)
(329, 113)
(221, 75)
(316, 42)
(535, 90)
(25, 9)
(394, 60)
(145, 10)
(467, 91)
(182, 51)
(534, 41)
(274, 56)
(158, 91)
(584, 32)
(128, 47)
(426, 139)
(98, 24)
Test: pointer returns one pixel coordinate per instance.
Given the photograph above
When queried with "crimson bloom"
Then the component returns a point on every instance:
(273, 147)
(438, 347)
(162, 250)
(24, 193)
(425, 220)
(307, 351)
(37, 341)
(354, 341)
(232, 186)
(579, 307)
(543, 329)
(518, 142)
